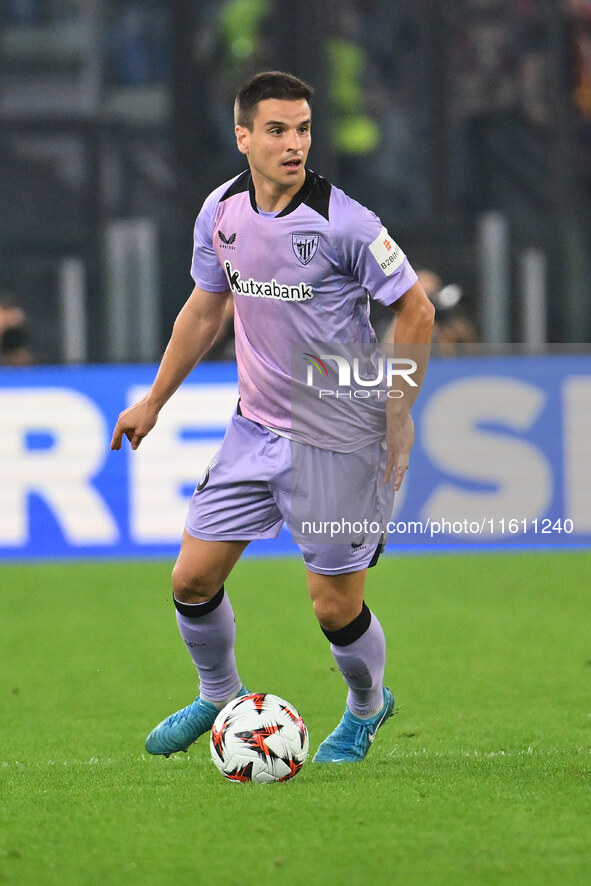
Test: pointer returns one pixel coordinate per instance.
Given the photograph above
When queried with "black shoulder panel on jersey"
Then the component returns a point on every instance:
(319, 197)
(315, 193)
(253, 199)
(241, 184)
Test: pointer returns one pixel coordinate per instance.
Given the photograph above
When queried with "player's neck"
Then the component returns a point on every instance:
(272, 197)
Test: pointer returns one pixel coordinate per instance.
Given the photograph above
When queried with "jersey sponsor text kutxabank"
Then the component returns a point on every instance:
(301, 276)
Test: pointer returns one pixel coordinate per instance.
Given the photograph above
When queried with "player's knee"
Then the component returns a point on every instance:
(332, 612)
(192, 586)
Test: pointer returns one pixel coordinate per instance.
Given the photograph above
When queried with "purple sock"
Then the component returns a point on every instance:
(209, 632)
(361, 661)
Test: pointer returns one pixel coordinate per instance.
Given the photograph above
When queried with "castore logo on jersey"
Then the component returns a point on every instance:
(227, 242)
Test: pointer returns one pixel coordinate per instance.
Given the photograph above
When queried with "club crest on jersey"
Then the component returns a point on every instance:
(304, 246)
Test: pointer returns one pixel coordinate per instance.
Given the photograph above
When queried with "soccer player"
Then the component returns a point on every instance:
(299, 258)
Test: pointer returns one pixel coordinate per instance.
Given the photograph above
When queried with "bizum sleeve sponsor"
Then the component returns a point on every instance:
(386, 252)
(267, 288)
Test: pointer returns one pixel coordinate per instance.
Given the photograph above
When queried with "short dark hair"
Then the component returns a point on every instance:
(269, 84)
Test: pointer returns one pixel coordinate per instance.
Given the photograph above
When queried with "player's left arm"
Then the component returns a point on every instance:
(411, 333)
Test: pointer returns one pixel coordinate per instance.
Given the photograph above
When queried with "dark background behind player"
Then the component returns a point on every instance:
(464, 124)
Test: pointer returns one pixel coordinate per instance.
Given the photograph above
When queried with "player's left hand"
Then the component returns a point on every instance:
(400, 436)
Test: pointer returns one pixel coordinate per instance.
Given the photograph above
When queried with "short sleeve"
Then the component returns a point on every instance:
(369, 253)
(206, 270)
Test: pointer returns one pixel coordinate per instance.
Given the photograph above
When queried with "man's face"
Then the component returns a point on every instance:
(277, 147)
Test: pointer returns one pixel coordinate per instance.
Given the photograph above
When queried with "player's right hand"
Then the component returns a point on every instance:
(134, 423)
(400, 435)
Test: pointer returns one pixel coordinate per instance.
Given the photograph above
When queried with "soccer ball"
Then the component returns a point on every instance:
(259, 737)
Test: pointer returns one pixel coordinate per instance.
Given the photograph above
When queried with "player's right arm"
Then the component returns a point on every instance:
(193, 333)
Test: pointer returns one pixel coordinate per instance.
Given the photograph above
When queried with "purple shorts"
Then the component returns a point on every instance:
(335, 504)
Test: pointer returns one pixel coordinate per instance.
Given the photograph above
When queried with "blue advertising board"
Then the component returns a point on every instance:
(501, 458)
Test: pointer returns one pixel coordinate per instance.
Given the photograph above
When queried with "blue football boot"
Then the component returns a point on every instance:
(353, 737)
(180, 730)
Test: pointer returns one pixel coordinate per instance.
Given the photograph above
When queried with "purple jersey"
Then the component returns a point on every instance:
(301, 276)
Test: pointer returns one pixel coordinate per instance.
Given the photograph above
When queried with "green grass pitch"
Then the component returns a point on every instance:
(482, 777)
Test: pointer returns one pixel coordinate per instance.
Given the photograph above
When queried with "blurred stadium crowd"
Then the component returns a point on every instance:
(432, 113)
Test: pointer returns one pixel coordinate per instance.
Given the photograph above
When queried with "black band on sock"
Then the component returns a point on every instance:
(196, 610)
(351, 632)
